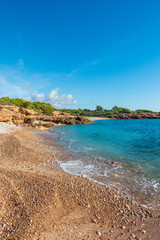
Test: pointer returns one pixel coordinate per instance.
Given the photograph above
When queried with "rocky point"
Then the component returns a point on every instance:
(21, 116)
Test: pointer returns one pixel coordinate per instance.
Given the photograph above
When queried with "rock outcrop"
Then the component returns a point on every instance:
(16, 115)
(21, 116)
(135, 116)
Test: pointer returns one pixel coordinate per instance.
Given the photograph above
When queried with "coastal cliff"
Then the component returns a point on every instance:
(21, 116)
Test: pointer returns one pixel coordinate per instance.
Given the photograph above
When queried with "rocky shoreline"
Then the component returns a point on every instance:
(128, 116)
(150, 115)
(26, 117)
(39, 201)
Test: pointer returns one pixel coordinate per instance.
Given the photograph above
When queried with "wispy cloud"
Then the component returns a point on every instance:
(16, 81)
(83, 69)
(94, 63)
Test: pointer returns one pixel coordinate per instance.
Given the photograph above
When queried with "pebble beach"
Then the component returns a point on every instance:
(7, 128)
(39, 201)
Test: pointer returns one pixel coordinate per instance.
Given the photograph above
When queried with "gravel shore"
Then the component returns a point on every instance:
(41, 202)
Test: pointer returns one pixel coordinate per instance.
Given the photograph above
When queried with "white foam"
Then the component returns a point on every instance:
(7, 128)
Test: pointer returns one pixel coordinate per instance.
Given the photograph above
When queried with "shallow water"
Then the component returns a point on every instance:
(134, 143)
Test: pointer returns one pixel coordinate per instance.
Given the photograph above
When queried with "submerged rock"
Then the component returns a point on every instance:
(116, 163)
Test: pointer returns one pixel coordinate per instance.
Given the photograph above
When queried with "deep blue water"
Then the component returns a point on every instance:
(135, 143)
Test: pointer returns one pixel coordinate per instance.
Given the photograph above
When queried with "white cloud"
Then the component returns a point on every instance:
(40, 95)
(27, 98)
(16, 82)
(62, 100)
(37, 97)
(54, 94)
(57, 100)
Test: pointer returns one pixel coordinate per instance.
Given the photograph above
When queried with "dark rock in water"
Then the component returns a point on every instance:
(116, 163)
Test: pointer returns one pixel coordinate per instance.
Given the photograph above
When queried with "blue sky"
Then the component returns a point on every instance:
(79, 54)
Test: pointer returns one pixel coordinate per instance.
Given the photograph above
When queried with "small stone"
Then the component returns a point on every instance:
(132, 235)
(144, 231)
(99, 233)
(97, 216)
(123, 227)
(94, 221)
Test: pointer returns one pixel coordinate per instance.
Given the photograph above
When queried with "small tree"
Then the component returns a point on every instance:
(99, 108)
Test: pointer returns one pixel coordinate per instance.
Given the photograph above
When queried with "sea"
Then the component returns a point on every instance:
(135, 144)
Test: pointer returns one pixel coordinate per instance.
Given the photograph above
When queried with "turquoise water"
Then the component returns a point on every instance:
(134, 143)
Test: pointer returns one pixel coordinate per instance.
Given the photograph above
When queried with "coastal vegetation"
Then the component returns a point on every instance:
(48, 109)
(100, 112)
(40, 107)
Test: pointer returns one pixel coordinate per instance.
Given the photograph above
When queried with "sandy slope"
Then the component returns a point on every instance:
(39, 201)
